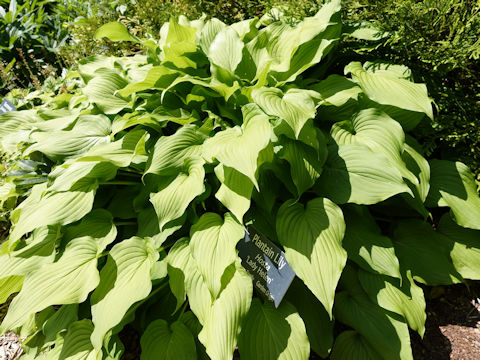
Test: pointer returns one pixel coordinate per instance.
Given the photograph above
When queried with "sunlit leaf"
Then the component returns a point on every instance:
(312, 238)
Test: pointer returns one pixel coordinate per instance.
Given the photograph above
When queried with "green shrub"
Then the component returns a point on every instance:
(144, 172)
(147, 17)
(31, 33)
(439, 41)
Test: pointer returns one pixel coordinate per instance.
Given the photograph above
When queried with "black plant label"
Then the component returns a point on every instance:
(6, 106)
(266, 264)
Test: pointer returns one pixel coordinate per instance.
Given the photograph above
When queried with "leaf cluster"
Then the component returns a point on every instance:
(129, 192)
(438, 40)
(31, 33)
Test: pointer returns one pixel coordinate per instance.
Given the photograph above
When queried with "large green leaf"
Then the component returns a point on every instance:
(313, 47)
(235, 191)
(179, 43)
(89, 65)
(379, 132)
(239, 147)
(384, 333)
(128, 120)
(465, 253)
(158, 77)
(222, 87)
(425, 252)
(221, 317)
(452, 184)
(225, 50)
(223, 322)
(8, 286)
(295, 106)
(287, 49)
(209, 32)
(101, 91)
(353, 346)
(269, 333)
(170, 152)
(124, 280)
(365, 244)
(388, 88)
(49, 209)
(76, 345)
(121, 152)
(405, 299)
(305, 163)
(174, 195)
(185, 279)
(336, 90)
(60, 119)
(312, 238)
(58, 282)
(60, 321)
(81, 175)
(162, 341)
(356, 174)
(12, 121)
(89, 131)
(212, 245)
(115, 31)
(38, 251)
(318, 324)
(419, 166)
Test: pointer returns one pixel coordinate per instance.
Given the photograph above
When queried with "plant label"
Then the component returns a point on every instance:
(266, 264)
(6, 106)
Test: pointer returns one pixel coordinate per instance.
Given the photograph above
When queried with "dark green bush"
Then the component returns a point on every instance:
(439, 41)
(31, 33)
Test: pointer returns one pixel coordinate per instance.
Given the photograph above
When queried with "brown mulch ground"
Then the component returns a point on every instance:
(10, 347)
(453, 324)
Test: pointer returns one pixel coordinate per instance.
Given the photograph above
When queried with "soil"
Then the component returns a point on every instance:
(10, 347)
(452, 326)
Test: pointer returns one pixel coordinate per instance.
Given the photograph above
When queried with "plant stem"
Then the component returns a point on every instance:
(119, 182)
(128, 173)
(131, 171)
(124, 223)
(161, 248)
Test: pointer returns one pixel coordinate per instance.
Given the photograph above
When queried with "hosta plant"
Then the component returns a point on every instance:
(129, 192)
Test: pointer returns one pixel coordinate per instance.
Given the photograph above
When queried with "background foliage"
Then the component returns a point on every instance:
(31, 34)
(438, 40)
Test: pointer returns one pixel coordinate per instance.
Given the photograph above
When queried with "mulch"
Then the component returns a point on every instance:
(453, 324)
(10, 348)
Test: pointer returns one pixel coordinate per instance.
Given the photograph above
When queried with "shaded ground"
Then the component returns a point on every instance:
(453, 324)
